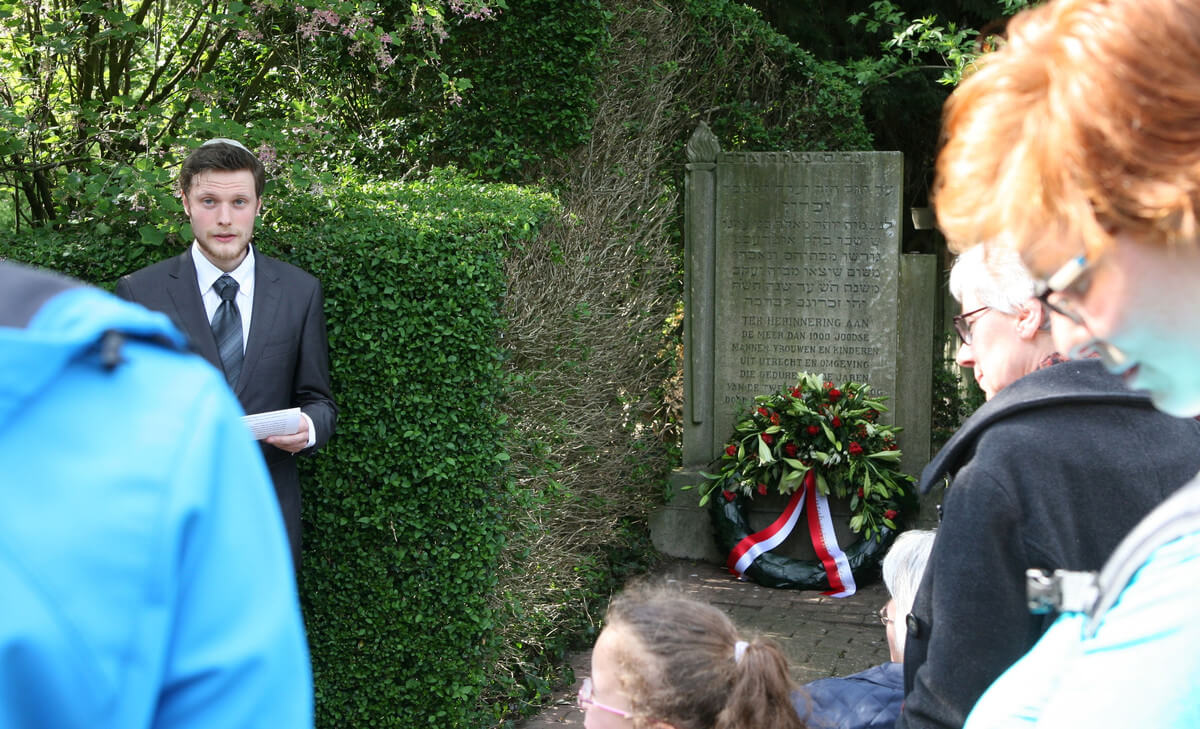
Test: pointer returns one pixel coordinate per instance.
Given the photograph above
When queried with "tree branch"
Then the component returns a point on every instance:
(251, 89)
(43, 166)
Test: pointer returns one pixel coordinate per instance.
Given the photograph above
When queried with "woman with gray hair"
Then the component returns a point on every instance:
(998, 303)
(1049, 474)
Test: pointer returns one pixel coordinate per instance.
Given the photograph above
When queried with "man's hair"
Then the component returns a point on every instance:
(1084, 124)
(995, 275)
(225, 156)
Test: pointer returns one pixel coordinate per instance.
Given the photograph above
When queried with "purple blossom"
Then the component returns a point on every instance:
(328, 17)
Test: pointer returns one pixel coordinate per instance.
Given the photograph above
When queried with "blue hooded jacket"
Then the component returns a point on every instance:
(144, 572)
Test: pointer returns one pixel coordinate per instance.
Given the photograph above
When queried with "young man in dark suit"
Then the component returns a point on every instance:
(257, 319)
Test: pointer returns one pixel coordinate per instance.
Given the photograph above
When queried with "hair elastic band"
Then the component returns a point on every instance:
(739, 650)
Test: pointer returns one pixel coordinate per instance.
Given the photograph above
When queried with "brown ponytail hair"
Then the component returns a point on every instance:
(679, 666)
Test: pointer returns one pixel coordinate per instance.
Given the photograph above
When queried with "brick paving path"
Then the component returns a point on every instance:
(821, 636)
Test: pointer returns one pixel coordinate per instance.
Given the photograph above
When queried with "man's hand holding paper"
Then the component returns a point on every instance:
(275, 423)
(292, 442)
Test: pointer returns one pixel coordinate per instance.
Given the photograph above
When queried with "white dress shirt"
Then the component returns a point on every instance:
(207, 274)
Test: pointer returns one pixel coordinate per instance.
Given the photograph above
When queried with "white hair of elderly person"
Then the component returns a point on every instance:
(1003, 329)
(871, 699)
(903, 567)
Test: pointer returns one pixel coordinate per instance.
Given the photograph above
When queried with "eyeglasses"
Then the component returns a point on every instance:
(1072, 275)
(963, 327)
(1069, 275)
(883, 618)
(585, 701)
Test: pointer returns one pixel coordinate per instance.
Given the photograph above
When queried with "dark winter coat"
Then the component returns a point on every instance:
(1051, 473)
(869, 699)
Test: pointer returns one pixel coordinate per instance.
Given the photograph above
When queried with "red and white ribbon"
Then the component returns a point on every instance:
(824, 541)
(748, 550)
(820, 528)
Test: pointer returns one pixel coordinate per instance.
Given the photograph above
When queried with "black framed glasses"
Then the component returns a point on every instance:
(963, 323)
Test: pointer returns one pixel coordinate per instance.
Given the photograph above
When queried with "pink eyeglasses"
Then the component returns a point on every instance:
(585, 701)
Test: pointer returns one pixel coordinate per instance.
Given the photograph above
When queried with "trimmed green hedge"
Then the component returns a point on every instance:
(403, 513)
(402, 510)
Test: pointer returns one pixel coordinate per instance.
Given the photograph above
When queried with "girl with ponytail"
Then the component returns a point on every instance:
(666, 661)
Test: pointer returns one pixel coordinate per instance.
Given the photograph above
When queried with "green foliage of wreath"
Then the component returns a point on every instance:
(820, 435)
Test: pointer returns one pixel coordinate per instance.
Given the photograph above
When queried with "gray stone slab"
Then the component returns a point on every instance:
(807, 250)
(792, 263)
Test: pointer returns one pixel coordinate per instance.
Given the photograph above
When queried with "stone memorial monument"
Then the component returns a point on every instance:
(793, 264)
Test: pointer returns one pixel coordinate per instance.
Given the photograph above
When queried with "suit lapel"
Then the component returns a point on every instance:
(185, 295)
(267, 295)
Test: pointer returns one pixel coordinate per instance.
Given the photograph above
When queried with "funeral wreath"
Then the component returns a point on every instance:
(820, 435)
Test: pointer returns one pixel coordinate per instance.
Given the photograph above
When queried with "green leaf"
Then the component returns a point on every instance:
(151, 236)
(891, 456)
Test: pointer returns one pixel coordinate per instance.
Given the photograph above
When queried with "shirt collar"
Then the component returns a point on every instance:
(207, 273)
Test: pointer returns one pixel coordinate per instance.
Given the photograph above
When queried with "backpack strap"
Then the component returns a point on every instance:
(1094, 593)
(23, 292)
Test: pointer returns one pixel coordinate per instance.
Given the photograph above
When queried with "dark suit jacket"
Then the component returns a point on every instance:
(287, 352)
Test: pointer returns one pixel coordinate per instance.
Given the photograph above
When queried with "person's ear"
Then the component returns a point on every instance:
(258, 207)
(1030, 317)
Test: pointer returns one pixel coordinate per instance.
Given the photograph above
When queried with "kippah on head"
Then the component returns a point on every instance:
(223, 140)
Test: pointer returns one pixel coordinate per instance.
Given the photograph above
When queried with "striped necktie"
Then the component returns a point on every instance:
(227, 329)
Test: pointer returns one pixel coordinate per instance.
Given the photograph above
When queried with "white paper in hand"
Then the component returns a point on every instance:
(276, 422)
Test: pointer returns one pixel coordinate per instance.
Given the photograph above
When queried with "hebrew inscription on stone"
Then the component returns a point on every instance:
(806, 264)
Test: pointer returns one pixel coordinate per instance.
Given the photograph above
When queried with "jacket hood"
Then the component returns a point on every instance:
(1071, 381)
(69, 325)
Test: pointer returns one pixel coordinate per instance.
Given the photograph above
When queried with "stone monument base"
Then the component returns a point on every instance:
(682, 528)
